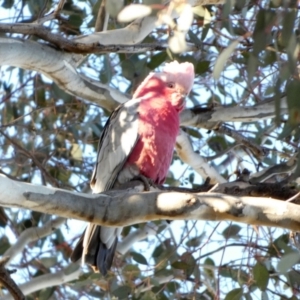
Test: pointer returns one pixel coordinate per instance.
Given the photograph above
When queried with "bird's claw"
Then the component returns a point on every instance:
(148, 183)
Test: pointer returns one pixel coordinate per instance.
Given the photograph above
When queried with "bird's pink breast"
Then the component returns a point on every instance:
(158, 128)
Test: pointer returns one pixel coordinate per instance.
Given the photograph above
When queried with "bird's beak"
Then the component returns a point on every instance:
(183, 99)
(183, 94)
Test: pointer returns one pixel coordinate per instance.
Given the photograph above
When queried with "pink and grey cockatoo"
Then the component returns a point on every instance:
(138, 139)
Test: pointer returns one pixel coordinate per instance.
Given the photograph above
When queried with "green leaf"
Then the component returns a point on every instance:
(154, 281)
(292, 94)
(287, 130)
(189, 259)
(235, 294)
(163, 273)
(194, 38)
(275, 3)
(149, 295)
(261, 276)
(262, 34)
(7, 4)
(288, 261)
(222, 59)
(208, 261)
(264, 296)
(106, 73)
(194, 132)
(173, 286)
(281, 243)
(49, 262)
(191, 178)
(227, 8)
(288, 23)
(46, 294)
(293, 277)
(131, 270)
(3, 217)
(75, 20)
(202, 67)
(114, 7)
(209, 271)
(195, 241)
(269, 58)
(59, 93)
(247, 296)
(4, 244)
(180, 265)
(128, 69)
(158, 251)
(252, 65)
(26, 223)
(71, 269)
(139, 258)
(240, 4)
(199, 11)
(76, 152)
(205, 30)
(235, 274)
(218, 143)
(122, 292)
(231, 231)
(35, 6)
(156, 60)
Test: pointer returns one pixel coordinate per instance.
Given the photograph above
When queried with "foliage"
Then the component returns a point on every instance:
(244, 55)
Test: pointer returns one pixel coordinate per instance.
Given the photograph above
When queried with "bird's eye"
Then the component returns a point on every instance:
(171, 85)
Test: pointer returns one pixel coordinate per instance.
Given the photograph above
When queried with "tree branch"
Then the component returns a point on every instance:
(68, 274)
(284, 168)
(73, 46)
(209, 118)
(136, 207)
(258, 151)
(32, 234)
(138, 235)
(60, 67)
(186, 153)
(7, 281)
(136, 31)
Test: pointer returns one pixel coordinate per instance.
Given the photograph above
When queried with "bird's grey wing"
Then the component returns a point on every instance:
(116, 143)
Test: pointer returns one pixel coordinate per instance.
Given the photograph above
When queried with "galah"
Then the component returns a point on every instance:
(138, 139)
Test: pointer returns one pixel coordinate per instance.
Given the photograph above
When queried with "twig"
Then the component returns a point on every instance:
(69, 273)
(59, 7)
(75, 46)
(99, 26)
(8, 282)
(257, 151)
(32, 234)
(293, 198)
(36, 161)
(52, 15)
(284, 168)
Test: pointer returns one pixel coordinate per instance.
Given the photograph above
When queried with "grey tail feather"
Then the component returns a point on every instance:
(98, 256)
(105, 256)
(77, 252)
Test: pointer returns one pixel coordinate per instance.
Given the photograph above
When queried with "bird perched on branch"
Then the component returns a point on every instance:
(138, 139)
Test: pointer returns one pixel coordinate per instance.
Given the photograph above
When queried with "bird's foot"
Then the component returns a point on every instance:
(148, 183)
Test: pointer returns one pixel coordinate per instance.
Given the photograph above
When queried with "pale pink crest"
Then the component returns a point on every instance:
(182, 73)
(142, 85)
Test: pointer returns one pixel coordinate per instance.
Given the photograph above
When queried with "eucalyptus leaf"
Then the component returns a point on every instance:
(222, 59)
